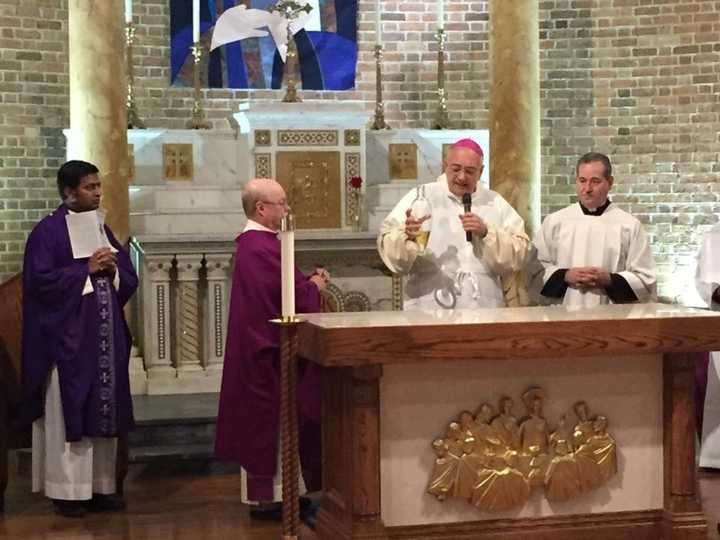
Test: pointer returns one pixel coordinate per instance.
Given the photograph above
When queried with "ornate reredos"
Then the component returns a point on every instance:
(494, 460)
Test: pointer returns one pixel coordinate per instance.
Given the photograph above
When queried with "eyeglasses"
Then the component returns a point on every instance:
(281, 203)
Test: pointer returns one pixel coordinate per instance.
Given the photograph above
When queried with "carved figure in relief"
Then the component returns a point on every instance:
(184, 166)
(562, 478)
(602, 447)
(170, 165)
(505, 425)
(534, 428)
(493, 461)
(445, 471)
(500, 489)
(481, 430)
(467, 420)
(454, 439)
(584, 428)
(471, 463)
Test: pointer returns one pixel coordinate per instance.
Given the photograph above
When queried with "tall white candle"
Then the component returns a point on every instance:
(287, 271)
(378, 23)
(441, 13)
(196, 21)
(128, 11)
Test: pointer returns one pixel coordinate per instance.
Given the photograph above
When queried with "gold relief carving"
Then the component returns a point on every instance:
(403, 161)
(178, 161)
(493, 460)
(307, 137)
(263, 137)
(352, 168)
(352, 137)
(337, 300)
(263, 166)
(131, 163)
(312, 184)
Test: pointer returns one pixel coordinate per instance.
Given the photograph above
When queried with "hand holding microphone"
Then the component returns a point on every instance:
(471, 222)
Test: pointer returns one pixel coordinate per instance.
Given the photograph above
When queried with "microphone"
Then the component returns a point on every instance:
(467, 204)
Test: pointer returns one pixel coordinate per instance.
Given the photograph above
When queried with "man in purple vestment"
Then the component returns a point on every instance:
(248, 418)
(75, 352)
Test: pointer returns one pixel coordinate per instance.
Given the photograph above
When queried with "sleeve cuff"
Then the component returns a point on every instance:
(555, 286)
(620, 291)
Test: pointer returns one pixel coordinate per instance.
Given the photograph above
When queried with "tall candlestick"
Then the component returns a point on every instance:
(287, 266)
(128, 11)
(441, 13)
(196, 21)
(378, 23)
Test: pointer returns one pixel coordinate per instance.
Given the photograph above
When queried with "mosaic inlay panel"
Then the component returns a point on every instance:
(352, 168)
(352, 137)
(308, 137)
(263, 137)
(263, 166)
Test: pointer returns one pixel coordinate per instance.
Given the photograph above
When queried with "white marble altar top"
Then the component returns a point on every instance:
(357, 339)
(537, 314)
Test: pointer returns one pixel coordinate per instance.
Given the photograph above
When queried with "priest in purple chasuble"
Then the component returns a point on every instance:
(248, 419)
(75, 352)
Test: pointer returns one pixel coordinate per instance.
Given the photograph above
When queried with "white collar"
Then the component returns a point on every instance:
(255, 226)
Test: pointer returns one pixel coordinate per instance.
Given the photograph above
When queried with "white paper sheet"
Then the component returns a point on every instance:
(87, 232)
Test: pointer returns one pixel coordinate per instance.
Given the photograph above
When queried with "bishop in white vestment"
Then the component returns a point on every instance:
(707, 282)
(592, 252)
(450, 271)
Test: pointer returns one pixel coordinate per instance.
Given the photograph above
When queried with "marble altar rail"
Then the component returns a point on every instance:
(179, 316)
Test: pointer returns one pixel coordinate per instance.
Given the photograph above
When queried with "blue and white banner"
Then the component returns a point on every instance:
(253, 44)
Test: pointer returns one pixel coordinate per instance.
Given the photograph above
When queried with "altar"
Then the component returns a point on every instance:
(395, 383)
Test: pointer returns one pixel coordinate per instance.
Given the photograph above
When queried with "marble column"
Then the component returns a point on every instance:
(157, 331)
(515, 106)
(188, 322)
(98, 120)
(216, 311)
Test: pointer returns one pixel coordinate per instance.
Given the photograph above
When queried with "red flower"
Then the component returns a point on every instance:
(356, 182)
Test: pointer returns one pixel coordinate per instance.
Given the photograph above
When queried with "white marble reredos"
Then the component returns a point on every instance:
(429, 144)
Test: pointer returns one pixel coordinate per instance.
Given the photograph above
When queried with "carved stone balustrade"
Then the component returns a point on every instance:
(180, 316)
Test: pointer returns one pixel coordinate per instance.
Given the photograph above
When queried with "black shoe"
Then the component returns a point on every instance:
(71, 509)
(267, 512)
(105, 503)
(308, 512)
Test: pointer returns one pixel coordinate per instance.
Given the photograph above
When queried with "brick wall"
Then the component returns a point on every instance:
(637, 79)
(640, 81)
(33, 111)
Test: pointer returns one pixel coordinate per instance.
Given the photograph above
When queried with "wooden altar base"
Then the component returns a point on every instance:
(353, 350)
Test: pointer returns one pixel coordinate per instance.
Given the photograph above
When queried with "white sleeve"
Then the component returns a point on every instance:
(542, 262)
(505, 248)
(397, 252)
(640, 267)
(705, 282)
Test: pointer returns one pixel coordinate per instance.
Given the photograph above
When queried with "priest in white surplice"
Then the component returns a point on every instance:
(592, 252)
(707, 281)
(451, 271)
